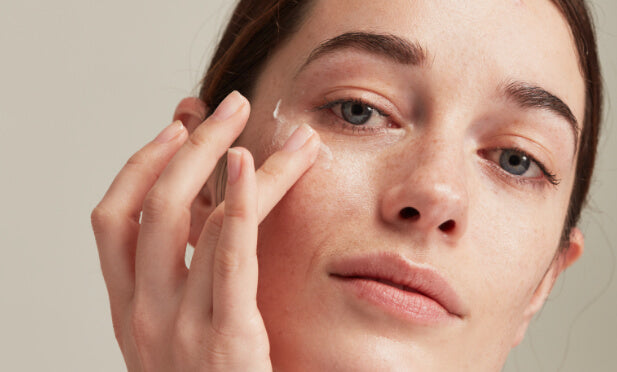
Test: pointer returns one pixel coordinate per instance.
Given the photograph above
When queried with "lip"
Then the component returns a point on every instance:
(399, 287)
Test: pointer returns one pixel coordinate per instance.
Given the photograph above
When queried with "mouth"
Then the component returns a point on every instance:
(383, 281)
(398, 287)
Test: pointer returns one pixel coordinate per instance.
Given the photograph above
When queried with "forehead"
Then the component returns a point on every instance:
(475, 42)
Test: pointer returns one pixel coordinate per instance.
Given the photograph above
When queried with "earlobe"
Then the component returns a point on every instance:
(574, 250)
(563, 259)
(192, 112)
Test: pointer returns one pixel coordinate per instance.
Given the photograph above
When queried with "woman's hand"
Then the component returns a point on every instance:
(165, 316)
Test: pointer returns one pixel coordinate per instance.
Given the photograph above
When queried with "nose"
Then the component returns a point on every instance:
(428, 194)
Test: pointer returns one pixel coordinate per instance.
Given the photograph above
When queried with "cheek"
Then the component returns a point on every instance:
(334, 192)
(511, 244)
(307, 225)
(499, 261)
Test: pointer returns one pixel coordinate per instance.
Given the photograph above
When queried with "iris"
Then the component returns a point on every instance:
(514, 162)
(356, 113)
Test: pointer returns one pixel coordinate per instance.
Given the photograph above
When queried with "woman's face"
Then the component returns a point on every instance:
(448, 151)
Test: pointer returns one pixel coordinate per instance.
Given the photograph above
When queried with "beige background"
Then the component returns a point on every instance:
(84, 83)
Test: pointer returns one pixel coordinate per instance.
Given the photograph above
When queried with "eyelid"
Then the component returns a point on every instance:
(342, 125)
(547, 175)
(358, 101)
(379, 102)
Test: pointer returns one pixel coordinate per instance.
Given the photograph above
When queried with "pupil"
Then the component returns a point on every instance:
(515, 160)
(356, 113)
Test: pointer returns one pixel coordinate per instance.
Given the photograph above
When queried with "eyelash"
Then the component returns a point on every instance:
(355, 129)
(549, 177)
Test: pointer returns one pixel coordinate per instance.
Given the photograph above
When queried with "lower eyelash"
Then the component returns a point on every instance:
(355, 129)
(358, 101)
(549, 177)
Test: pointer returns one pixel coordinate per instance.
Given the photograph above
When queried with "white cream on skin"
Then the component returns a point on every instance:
(284, 129)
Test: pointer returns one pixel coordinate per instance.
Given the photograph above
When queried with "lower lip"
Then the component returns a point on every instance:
(410, 306)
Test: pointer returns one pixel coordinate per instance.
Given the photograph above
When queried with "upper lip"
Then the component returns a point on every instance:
(400, 271)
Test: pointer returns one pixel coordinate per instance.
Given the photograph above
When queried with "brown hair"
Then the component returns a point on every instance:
(579, 18)
(258, 27)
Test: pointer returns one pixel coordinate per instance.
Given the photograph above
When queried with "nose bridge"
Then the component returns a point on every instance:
(439, 177)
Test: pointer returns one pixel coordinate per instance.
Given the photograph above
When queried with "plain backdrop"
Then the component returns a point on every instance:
(84, 84)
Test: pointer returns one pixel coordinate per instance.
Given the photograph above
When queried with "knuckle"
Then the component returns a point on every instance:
(156, 204)
(118, 328)
(159, 206)
(101, 218)
(144, 330)
(226, 263)
(140, 166)
(214, 223)
(137, 160)
(235, 210)
(215, 354)
(218, 348)
(226, 343)
(223, 332)
(199, 139)
(186, 337)
(272, 171)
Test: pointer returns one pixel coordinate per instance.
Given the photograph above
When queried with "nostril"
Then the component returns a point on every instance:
(409, 213)
(447, 226)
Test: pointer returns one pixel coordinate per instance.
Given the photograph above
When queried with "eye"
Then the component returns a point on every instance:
(521, 165)
(517, 163)
(356, 116)
(356, 113)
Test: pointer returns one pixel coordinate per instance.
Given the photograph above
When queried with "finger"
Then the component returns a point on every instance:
(283, 168)
(276, 176)
(115, 220)
(234, 274)
(166, 212)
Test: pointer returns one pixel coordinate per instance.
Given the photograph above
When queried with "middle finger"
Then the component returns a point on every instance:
(273, 179)
(166, 212)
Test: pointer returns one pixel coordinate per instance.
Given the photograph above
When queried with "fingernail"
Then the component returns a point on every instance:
(230, 105)
(298, 138)
(170, 132)
(234, 165)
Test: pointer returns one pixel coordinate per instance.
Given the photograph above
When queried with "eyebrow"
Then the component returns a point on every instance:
(390, 46)
(403, 51)
(533, 97)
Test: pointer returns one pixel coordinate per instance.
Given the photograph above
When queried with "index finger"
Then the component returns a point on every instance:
(274, 178)
(115, 220)
(166, 216)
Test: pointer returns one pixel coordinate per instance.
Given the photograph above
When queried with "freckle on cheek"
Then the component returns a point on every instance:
(284, 129)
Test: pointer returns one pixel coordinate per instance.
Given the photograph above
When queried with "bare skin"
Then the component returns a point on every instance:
(165, 316)
(489, 231)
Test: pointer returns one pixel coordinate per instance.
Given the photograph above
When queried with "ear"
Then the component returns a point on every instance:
(563, 259)
(192, 112)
